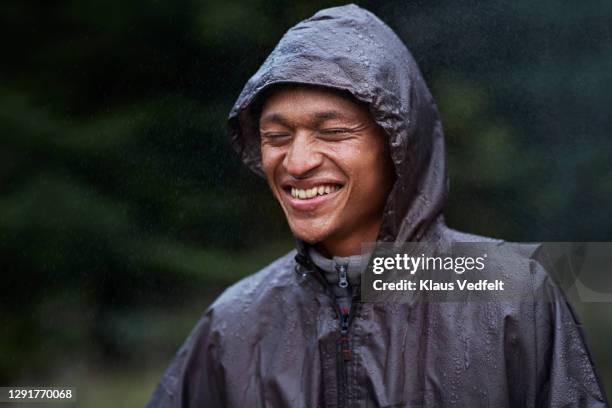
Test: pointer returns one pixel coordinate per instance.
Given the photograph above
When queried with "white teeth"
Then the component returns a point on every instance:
(313, 192)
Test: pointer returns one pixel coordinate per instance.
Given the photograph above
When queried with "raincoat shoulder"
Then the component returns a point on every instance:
(546, 360)
(564, 370)
(227, 329)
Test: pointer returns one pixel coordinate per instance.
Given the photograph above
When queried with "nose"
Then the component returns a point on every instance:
(302, 156)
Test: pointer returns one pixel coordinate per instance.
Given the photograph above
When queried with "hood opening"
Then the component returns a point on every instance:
(350, 50)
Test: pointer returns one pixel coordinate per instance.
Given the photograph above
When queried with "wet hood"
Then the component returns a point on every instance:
(349, 48)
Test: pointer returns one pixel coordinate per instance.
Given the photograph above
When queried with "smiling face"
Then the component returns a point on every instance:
(327, 163)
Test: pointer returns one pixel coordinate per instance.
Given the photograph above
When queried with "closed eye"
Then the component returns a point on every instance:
(335, 134)
(334, 131)
(274, 135)
(275, 138)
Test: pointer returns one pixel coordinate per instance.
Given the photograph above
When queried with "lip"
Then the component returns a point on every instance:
(312, 203)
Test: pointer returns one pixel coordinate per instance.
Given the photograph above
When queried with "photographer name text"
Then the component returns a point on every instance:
(430, 285)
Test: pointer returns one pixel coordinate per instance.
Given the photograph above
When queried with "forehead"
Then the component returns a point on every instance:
(312, 101)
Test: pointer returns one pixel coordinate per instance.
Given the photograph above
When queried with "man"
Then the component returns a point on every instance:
(340, 122)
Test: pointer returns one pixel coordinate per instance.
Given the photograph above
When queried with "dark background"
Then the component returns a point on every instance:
(123, 211)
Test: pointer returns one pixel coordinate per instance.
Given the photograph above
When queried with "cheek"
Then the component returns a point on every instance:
(270, 159)
(347, 158)
(371, 176)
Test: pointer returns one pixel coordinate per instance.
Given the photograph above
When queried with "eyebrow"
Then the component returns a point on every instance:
(319, 117)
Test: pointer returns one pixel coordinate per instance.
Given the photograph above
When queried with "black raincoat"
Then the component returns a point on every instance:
(275, 339)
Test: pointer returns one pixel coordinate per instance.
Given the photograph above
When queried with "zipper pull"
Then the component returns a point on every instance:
(342, 280)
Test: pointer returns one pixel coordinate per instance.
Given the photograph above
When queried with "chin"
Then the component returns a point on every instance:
(309, 238)
(309, 235)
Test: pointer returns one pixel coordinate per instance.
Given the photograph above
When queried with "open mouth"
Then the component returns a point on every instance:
(313, 192)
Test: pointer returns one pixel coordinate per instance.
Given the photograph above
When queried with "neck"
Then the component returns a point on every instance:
(351, 245)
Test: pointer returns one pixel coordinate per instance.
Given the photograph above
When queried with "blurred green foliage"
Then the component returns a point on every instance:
(123, 210)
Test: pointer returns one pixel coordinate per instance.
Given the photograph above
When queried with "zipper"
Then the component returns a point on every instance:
(345, 317)
(343, 358)
(344, 346)
(345, 343)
